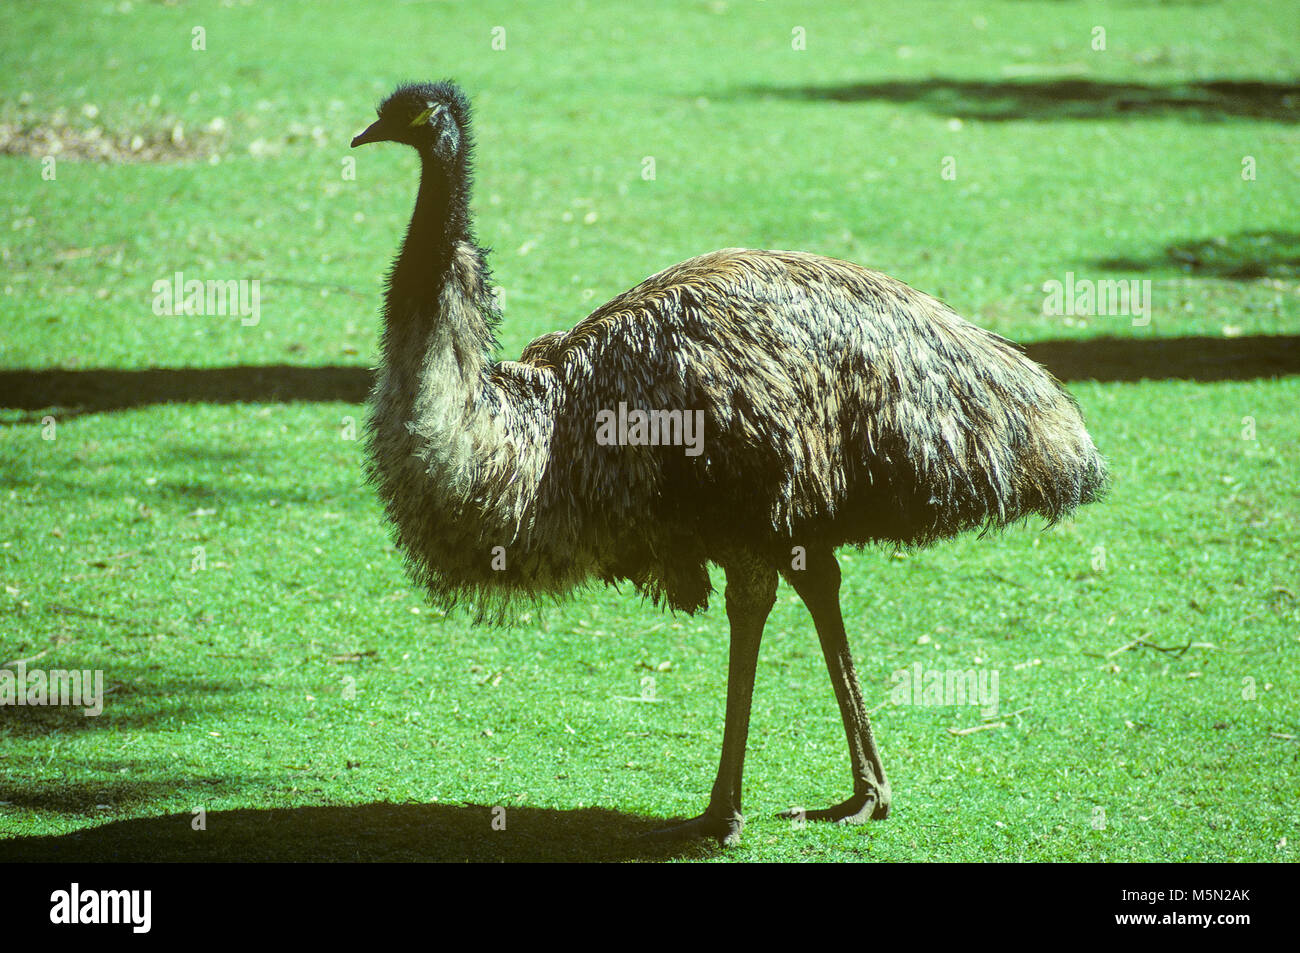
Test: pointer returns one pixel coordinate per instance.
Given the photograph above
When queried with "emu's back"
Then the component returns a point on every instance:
(840, 406)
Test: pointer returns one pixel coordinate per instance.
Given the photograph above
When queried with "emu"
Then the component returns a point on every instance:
(840, 406)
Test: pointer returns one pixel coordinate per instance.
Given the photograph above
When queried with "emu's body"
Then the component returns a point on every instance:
(840, 407)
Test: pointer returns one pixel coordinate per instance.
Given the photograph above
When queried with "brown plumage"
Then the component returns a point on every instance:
(838, 407)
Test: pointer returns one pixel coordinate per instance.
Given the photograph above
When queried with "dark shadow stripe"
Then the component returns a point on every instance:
(1043, 100)
(1111, 359)
(1241, 256)
(101, 389)
(363, 832)
(1101, 359)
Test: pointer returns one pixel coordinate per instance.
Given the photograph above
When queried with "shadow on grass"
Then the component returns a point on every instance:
(367, 832)
(73, 393)
(127, 706)
(1204, 358)
(137, 694)
(1242, 256)
(222, 487)
(1052, 99)
(149, 783)
(100, 389)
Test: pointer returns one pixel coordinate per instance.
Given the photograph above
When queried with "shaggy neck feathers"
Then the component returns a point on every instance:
(440, 421)
(438, 258)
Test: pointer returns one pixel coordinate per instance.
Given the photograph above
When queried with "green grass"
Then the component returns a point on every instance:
(300, 691)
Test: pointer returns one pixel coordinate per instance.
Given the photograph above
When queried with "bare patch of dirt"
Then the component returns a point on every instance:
(86, 140)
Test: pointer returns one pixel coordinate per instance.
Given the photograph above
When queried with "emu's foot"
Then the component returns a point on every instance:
(869, 806)
(725, 829)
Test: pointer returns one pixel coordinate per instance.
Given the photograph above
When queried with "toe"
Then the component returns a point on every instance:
(856, 810)
(726, 830)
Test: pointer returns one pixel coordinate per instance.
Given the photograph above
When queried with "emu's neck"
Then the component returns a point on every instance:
(433, 418)
(439, 271)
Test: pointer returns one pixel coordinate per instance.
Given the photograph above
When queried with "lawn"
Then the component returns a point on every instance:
(203, 534)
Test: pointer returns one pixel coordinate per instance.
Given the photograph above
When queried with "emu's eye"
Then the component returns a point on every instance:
(423, 117)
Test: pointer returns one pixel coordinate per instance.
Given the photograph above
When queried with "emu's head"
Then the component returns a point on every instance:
(431, 117)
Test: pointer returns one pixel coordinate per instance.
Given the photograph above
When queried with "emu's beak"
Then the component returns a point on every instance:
(373, 133)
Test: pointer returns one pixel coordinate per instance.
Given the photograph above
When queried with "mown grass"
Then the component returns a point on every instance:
(225, 566)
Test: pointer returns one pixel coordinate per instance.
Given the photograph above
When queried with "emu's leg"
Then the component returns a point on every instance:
(751, 593)
(819, 587)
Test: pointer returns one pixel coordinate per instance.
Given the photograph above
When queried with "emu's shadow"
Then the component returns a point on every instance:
(366, 832)
(1243, 256)
(1053, 99)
